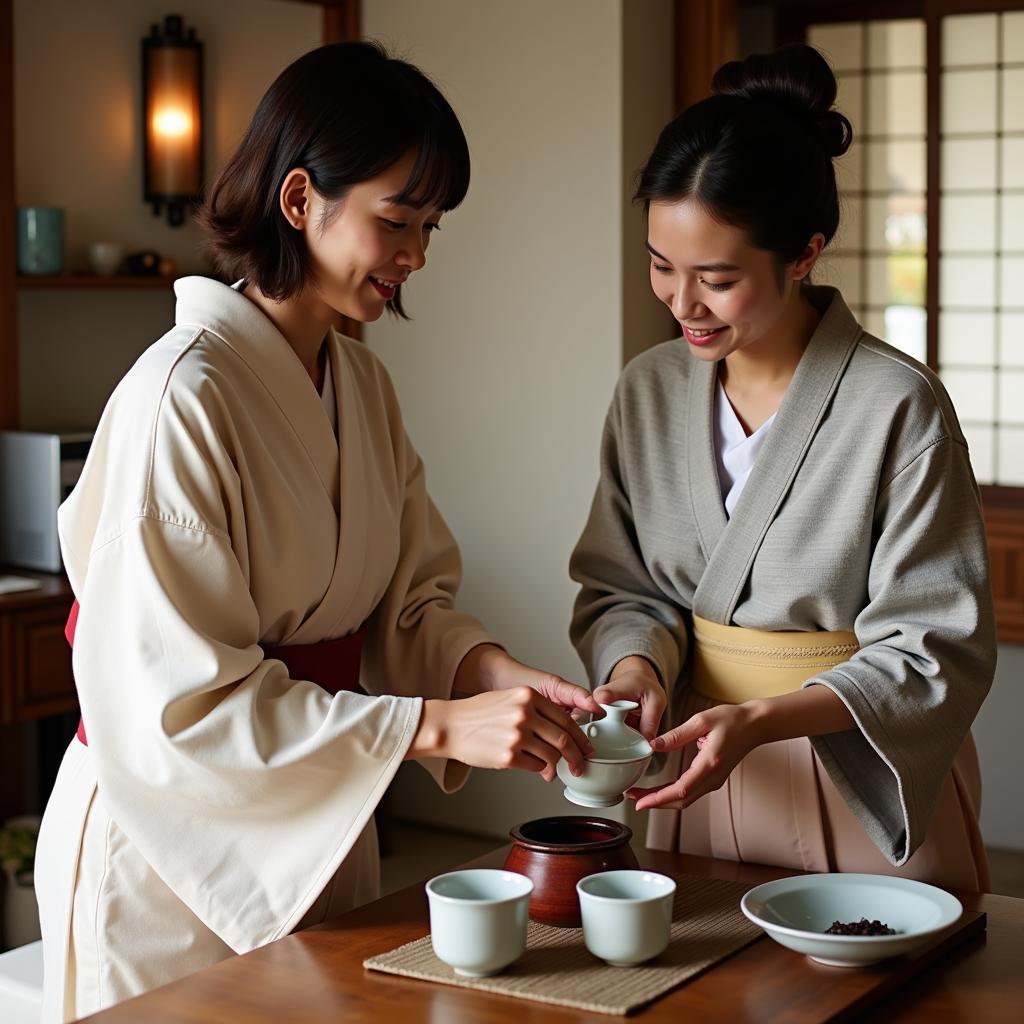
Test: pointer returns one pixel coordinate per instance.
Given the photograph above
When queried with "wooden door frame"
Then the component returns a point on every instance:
(706, 34)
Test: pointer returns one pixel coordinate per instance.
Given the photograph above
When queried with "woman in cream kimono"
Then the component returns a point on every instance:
(786, 535)
(251, 511)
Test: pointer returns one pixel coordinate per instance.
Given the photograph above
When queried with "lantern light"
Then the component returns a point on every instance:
(172, 101)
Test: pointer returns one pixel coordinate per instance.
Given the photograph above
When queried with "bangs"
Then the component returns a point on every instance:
(440, 175)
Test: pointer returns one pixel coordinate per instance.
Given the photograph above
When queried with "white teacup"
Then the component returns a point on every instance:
(627, 915)
(105, 257)
(478, 919)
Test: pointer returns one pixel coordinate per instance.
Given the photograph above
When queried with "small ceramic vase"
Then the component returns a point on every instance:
(40, 246)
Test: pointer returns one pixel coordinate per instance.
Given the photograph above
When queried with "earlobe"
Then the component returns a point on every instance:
(805, 264)
(294, 197)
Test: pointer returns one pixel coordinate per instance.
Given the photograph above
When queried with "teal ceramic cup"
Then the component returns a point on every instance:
(478, 919)
(627, 915)
(40, 240)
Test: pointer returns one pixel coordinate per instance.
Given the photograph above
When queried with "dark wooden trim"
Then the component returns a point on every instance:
(791, 21)
(933, 197)
(9, 414)
(1004, 527)
(1003, 508)
(113, 282)
(941, 8)
(341, 21)
(705, 33)
(994, 496)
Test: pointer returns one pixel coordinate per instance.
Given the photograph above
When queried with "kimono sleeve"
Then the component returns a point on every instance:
(620, 610)
(242, 788)
(927, 650)
(416, 638)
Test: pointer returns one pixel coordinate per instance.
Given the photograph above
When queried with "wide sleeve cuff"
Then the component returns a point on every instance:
(870, 774)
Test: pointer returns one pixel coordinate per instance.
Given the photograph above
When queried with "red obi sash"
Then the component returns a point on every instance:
(332, 665)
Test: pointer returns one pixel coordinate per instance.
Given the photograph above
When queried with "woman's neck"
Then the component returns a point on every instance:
(756, 378)
(304, 320)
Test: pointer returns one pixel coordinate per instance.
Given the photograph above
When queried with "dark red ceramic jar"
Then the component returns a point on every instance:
(555, 853)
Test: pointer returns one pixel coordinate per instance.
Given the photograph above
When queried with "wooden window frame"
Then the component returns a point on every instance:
(1003, 506)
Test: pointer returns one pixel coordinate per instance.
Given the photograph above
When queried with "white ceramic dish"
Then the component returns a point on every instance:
(796, 912)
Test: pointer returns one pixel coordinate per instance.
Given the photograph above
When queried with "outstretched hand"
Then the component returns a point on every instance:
(724, 735)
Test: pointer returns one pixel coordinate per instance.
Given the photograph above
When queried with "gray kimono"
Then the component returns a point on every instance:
(861, 513)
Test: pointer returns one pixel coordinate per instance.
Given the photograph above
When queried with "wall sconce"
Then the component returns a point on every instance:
(172, 103)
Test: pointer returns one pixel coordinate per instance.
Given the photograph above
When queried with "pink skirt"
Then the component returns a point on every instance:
(779, 807)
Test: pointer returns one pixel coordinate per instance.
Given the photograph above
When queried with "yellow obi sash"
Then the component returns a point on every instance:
(732, 664)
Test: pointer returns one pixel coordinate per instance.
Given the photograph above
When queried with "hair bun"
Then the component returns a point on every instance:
(796, 78)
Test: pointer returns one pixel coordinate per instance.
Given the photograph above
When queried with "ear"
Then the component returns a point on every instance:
(805, 262)
(295, 198)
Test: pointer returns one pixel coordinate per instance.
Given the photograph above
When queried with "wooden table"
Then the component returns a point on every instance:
(317, 976)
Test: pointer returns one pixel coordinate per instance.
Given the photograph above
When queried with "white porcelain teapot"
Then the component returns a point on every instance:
(621, 755)
(612, 738)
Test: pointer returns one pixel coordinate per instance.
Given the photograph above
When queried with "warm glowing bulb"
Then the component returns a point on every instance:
(172, 123)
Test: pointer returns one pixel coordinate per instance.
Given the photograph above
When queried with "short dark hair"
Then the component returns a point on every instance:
(757, 153)
(345, 112)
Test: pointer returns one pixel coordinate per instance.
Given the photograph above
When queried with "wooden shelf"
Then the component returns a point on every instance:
(113, 282)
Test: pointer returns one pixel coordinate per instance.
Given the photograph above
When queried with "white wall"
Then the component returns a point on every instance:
(506, 372)
(77, 145)
(648, 89)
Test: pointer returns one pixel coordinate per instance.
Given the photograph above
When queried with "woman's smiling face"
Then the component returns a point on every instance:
(725, 293)
(367, 245)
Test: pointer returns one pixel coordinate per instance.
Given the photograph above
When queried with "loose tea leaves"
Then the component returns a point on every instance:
(861, 927)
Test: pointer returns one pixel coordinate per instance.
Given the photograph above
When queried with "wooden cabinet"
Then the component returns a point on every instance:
(1004, 522)
(35, 660)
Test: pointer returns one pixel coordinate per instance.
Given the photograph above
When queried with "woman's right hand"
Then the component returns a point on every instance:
(634, 678)
(515, 728)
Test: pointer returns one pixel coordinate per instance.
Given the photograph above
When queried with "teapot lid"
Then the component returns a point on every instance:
(612, 738)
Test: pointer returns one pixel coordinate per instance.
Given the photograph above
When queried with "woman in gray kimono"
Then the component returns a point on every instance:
(786, 546)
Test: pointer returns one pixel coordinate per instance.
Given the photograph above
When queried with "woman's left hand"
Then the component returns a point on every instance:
(724, 735)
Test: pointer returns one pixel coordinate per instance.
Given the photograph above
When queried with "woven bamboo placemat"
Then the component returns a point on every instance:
(707, 926)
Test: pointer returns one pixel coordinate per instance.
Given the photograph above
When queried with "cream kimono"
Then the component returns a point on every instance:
(218, 798)
(860, 514)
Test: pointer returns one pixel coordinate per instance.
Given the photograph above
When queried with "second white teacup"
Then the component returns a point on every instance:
(105, 257)
(478, 919)
(627, 915)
